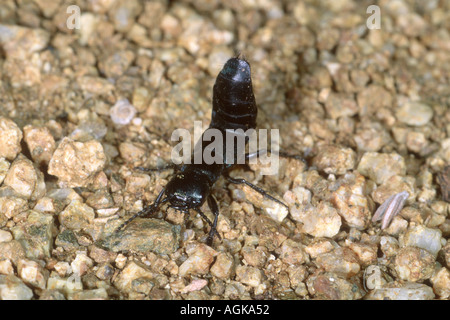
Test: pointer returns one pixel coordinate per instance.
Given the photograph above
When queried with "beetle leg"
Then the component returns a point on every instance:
(212, 203)
(256, 154)
(146, 211)
(256, 188)
(166, 167)
(292, 156)
(215, 209)
(283, 154)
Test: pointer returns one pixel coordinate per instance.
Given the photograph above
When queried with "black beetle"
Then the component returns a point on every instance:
(234, 107)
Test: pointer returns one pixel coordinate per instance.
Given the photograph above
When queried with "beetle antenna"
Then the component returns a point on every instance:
(241, 56)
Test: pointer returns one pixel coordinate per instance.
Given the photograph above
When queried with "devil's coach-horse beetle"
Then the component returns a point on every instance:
(234, 107)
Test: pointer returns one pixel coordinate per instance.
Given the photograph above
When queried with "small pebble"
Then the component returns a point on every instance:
(142, 285)
(256, 257)
(10, 207)
(12, 250)
(123, 14)
(66, 285)
(395, 185)
(105, 272)
(414, 113)
(101, 256)
(373, 98)
(271, 208)
(81, 264)
(342, 261)
(4, 167)
(88, 25)
(6, 267)
(77, 163)
(293, 253)
(48, 205)
(403, 291)
(397, 226)
(416, 141)
(250, 276)
(132, 152)
(63, 268)
(144, 235)
(334, 160)
(223, 267)
(199, 261)
(95, 85)
(116, 64)
(236, 290)
(381, 166)
(122, 112)
(422, 237)
(339, 105)
(120, 261)
(88, 130)
(25, 179)
(101, 199)
(51, 295)
(414, 264)
(195, 285)
(319, 246)
(40, 142)
(141, 98)
(10, 137)
(12, 288)
(351, 202)
(367, 253)
(446, 252)
(5, 236)
(20, 42)
(332, 286)
(389, 246)
(32, 273)
(35, 234)
(94, 294)
(441, 283)
(371, 137)
(132, 271)
(76, 215)
(320, 221)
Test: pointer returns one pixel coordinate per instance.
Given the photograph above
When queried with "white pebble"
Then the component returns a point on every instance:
(424, 238)
(5, 236)
(12, 288)
(122, 112)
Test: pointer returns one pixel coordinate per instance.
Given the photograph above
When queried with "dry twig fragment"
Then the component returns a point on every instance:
(444, 182)
(390, 208)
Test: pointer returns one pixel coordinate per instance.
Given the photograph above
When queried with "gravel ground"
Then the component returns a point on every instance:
(368, 109)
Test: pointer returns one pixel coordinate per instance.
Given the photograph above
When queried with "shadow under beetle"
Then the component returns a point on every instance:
(234, 107)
